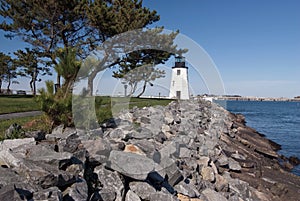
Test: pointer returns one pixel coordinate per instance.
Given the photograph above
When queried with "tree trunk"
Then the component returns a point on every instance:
(8, 85)
(58, 80)
(144, 89)
(31, 85)
(0, 86)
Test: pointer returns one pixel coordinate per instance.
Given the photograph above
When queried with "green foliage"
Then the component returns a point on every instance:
(58, 106)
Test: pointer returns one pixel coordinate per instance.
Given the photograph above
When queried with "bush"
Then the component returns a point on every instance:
(58, 106)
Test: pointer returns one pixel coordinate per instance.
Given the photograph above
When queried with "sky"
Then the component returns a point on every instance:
(254, 44)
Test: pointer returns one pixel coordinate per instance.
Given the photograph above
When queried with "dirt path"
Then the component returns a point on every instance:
(19, 114)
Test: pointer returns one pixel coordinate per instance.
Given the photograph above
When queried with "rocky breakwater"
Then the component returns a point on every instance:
(190, 150)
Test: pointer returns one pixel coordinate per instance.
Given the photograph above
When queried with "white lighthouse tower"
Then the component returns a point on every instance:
(179, 88)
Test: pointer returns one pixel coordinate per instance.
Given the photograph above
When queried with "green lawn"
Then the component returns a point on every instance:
(17, 103)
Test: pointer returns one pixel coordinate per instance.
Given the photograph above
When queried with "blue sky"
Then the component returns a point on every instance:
(255, 44)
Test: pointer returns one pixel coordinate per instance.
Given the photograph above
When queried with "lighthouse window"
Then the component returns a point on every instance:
(178, 72)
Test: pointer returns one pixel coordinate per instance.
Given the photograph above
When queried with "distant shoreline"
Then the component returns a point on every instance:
(256, 99)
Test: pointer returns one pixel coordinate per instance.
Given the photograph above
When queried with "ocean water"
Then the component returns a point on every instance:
(278, 121)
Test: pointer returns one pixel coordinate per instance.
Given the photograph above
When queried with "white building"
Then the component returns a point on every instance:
(179, 83)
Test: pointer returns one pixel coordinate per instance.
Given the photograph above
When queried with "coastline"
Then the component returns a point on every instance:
(188, 150)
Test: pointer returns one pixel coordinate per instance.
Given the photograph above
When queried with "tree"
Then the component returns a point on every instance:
(4, 60)
(47, 24)
(7, 71)
(139, 66)
(110, 18)
(67, 67)
(28, 65)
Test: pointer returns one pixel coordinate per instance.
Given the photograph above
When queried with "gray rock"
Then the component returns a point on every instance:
(41, 153)
(37, 135)
(170, 148)
(9, 192)
(208, 174)
(130, 164)
(98, 150)
(117, 134)
(187, 189)
(58, 130)
(223, 160)
(141, 133)
(49, 194)
(234, 165)
(78, 191)
(169, 119)
(184, 152)
(211, 195)
(11, 144)
(142, 189)
(111, 182)
(159, 196)
(221, 184)
(131, 196)
(169, 169)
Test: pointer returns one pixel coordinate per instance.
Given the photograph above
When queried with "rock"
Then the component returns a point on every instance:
(238, 156)
(160, 137)
(117, 133)
(169, 119)
(98, 150)
(49, 194)
(133, 149)
(186, 198)
(142, 189)
(58, 130)
(184, 152)
(187, 189)
(72, 143)
(159, 196)
(171, 171)
(130, 164)
(45, 154)
(9, 192)
(221, 184)
(203, 161)
(131, 196)
(11, 144)
(208, 174)
(170, 148)
(141, 133)
(234, 165)
(223, 160)
(78, 191)
(37, 135)
(113, 187)
(211, 195)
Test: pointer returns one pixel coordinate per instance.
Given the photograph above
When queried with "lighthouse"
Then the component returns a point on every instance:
(179, 88)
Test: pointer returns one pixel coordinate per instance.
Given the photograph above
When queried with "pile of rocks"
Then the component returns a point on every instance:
(190, 150)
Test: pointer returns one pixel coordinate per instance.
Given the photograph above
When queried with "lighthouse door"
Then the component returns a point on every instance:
(178, 94)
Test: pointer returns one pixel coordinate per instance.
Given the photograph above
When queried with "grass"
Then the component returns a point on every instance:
(17, 103)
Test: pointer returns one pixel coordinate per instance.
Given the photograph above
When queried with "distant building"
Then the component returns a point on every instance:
(179, 88)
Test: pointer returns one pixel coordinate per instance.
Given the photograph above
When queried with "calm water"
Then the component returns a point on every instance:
(279, 121)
